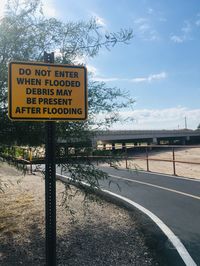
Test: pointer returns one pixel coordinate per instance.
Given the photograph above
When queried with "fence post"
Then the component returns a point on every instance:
(30, 159)
(174, 163)
(23, 153)
(126, 159)
(147, 159)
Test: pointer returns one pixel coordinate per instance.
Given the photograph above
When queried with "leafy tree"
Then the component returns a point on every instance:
(198, 126)
(25, 33)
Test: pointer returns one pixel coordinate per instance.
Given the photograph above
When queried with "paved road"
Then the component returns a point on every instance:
(176, 201)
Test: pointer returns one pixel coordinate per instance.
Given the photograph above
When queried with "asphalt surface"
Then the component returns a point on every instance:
(176, 201)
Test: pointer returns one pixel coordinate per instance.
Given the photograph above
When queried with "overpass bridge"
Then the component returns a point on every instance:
(135, 137)
(182, 136)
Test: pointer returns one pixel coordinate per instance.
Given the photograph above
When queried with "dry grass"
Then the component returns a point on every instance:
(11, 215)
(97, 234)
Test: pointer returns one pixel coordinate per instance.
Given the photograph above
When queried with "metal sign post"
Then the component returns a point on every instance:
(50, 186)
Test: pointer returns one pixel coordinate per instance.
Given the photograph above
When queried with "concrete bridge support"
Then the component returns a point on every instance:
(123, 146)
(113, 146)
(188, 138)
(155, 141)
(183, 141)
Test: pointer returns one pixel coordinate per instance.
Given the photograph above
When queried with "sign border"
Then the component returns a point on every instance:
(45, 119)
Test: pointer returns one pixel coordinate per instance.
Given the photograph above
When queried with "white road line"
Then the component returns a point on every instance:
(192, 179)
(184, 254)
(156, 186)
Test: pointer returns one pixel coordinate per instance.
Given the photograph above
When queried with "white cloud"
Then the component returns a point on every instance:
(150, 78)
(197, 20)
(177, 39)
(169, 118)
(187, 28)
(104, 79)
(99, 20)
(197, 23)
(49, 8)
(185, 33)
(138, 80)
(145, 30)
(92, 69)
(2, 9)
(150, 11)
(141, 20)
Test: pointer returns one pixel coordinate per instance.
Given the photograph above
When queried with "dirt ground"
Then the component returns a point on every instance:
(98, 233)
(181, 169)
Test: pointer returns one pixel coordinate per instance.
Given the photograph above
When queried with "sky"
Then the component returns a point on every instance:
(160, 66)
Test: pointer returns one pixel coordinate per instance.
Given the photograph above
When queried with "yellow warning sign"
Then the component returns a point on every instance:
(40, 91)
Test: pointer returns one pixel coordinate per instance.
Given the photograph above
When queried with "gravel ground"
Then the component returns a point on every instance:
(98, 233)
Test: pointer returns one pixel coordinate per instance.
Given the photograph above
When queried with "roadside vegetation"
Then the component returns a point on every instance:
(25, 34)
